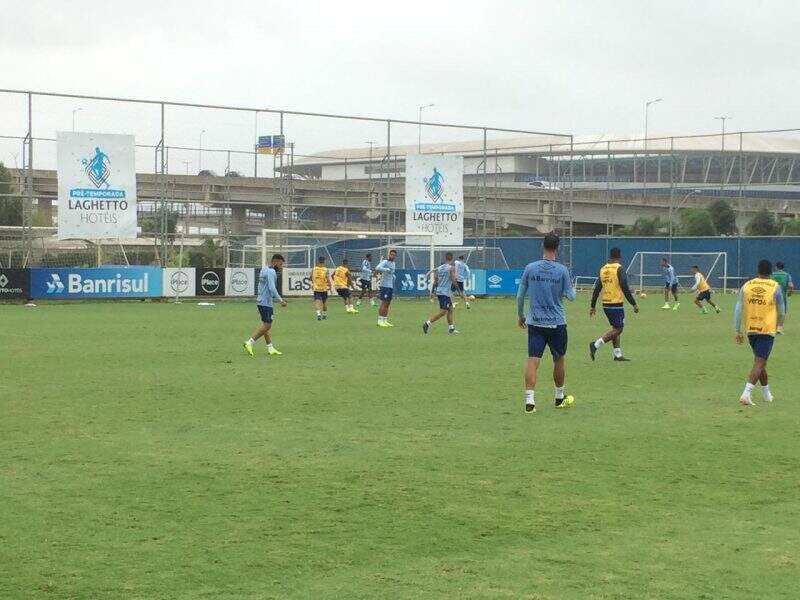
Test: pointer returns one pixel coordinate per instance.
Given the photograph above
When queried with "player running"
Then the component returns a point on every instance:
(613, 283)
(670, 284)
(365, 280)
(703, 291)
(321, 284)
(343, 284)
(760, 307)
(462, 274)
(784, 279)
(444, 280)
(267, 293)
(545, 282)
(386, 287)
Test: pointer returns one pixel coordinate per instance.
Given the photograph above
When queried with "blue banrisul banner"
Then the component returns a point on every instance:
(105, 282)
(414, 283)
(502, 282)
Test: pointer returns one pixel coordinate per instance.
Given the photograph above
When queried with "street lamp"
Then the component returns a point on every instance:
(722, 156)
(677, 208)
(371, 143)
(419, 136)
(646, 115)
(74, 110)
(200, 153)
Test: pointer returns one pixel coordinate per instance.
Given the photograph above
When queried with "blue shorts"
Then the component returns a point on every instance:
(445, 302)
(671, 286)
(704, 296)
(343, 292)
(365, 284)
(554, 337)
(761, 344)
(386, 294)
(321, 296)
(615, 316)
(266, 313)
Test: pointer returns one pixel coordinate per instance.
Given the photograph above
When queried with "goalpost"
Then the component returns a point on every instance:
(645, 268)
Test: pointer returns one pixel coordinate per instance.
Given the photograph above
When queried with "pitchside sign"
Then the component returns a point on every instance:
(210, 282)
(435, 199)
(96, 186)
(14, 283)
(123, 282)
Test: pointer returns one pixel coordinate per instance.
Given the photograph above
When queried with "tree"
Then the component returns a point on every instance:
(791, 227)
(696, 222)
(208, 255)
(644, 227)
(10, 206)
(151, 224)
(723, 216)
(763, 223)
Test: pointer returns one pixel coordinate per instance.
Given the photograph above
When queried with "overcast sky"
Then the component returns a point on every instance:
(578, 67)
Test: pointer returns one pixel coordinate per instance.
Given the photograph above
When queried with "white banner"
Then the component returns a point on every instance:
(296, 282)
(179, 282)
(435, 198)
(240, 281)
(96, 186)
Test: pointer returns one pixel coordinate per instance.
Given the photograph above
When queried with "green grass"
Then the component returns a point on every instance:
(144, 455)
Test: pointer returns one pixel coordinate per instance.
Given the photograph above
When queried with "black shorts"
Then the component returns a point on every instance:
(343, 292)
(386, 294)
(704, 296)
(673, 287)
(615, 316)
(554, 337)
(445, 302)
(266, 313)
(321, 296)
(761, 344)
(365, 284)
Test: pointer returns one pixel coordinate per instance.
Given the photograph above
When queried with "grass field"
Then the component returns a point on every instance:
(144, 455)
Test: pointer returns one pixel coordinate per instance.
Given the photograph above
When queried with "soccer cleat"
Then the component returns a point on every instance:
(274, 352)
(383, 324)
(746, 401)
(718, 309)
(388, 324)
(666, 306)
(467, 304)
(622, 359)
(767, 398)
(319, 317)
(592, 350)
(453, 331)
(530, 407)
(677, 304)
(248, 347)
(358, 302)
(324, 317)
(565, 402)
(425, 327)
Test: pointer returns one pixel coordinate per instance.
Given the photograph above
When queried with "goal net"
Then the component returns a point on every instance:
(644, 270)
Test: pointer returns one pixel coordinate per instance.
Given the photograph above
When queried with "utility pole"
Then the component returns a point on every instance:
(419, 133)
(646, 115)
(722, 154)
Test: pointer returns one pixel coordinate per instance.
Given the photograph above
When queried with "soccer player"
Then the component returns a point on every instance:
(703, 291)
(267, 293)
(760, 308)
(784, 279)
(545, 282)
(444, 280)
(670, 284)
(462, 274)
(343, 283)
(613, 283)
(365, 280)
(320, 285)
(386, 287)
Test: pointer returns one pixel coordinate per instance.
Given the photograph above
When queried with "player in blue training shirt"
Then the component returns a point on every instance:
(386, 287)
(670, 285)
(545, 282)
(267, 293)
(462, 274)
(365, 280)
(444, 280)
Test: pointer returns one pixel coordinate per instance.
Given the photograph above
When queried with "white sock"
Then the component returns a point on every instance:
(428, 322)
(748, 387)
(269, 346)
(529, 397)
(451, 327)
(324, 313)
(599, 342)
(319, 313)
(381, 319)
(251, 341)
(765, 391)
(617, 352)
(559, 393)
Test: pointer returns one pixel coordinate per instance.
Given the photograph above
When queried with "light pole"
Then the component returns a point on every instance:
(74, 110)
(371, 143)
(419, 136)
(677, 208)
(186, 164)
(646, 115)
(200, 153)
(722, 154)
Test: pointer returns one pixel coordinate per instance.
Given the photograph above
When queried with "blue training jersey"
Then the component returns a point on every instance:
(544, 283)
(267, 292)
(462, 271)
(386, 269)
(669, 275)
(443, 284)
(366, 270)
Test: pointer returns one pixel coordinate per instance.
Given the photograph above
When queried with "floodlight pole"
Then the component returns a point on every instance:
(646, 114)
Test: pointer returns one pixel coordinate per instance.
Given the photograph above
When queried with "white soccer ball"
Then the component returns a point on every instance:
(470, 298)
(643, 295)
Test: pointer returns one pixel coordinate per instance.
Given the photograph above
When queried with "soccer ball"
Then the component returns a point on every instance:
(471, 298)
(643, 295)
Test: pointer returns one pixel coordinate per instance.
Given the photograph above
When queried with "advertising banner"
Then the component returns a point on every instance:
(414, 283)
(241, 281)
(210, 282)
(106, 282)
(14, 283)
(178, 283)
(96, 186)
(296, 282)
(435, 198)
(502, 282)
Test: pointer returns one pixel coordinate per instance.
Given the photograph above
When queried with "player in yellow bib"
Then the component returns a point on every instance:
(703, 291)
(320, 285)
(759, 313)
(612, 285)
(343, 283)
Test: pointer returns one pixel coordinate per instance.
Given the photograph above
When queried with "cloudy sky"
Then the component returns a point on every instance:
(582, 67)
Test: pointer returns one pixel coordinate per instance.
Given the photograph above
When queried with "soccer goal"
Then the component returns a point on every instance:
(645, 269)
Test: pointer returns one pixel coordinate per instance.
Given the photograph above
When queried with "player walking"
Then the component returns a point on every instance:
(267, 293)
(444, 280)
(320, 285)
(613, 283)
(462, 275)
(545, 282)
(703, 290)
(784, 279)
(760, 307)
(365, 280)
(343, 283)
(386, 287)
(670, 284)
